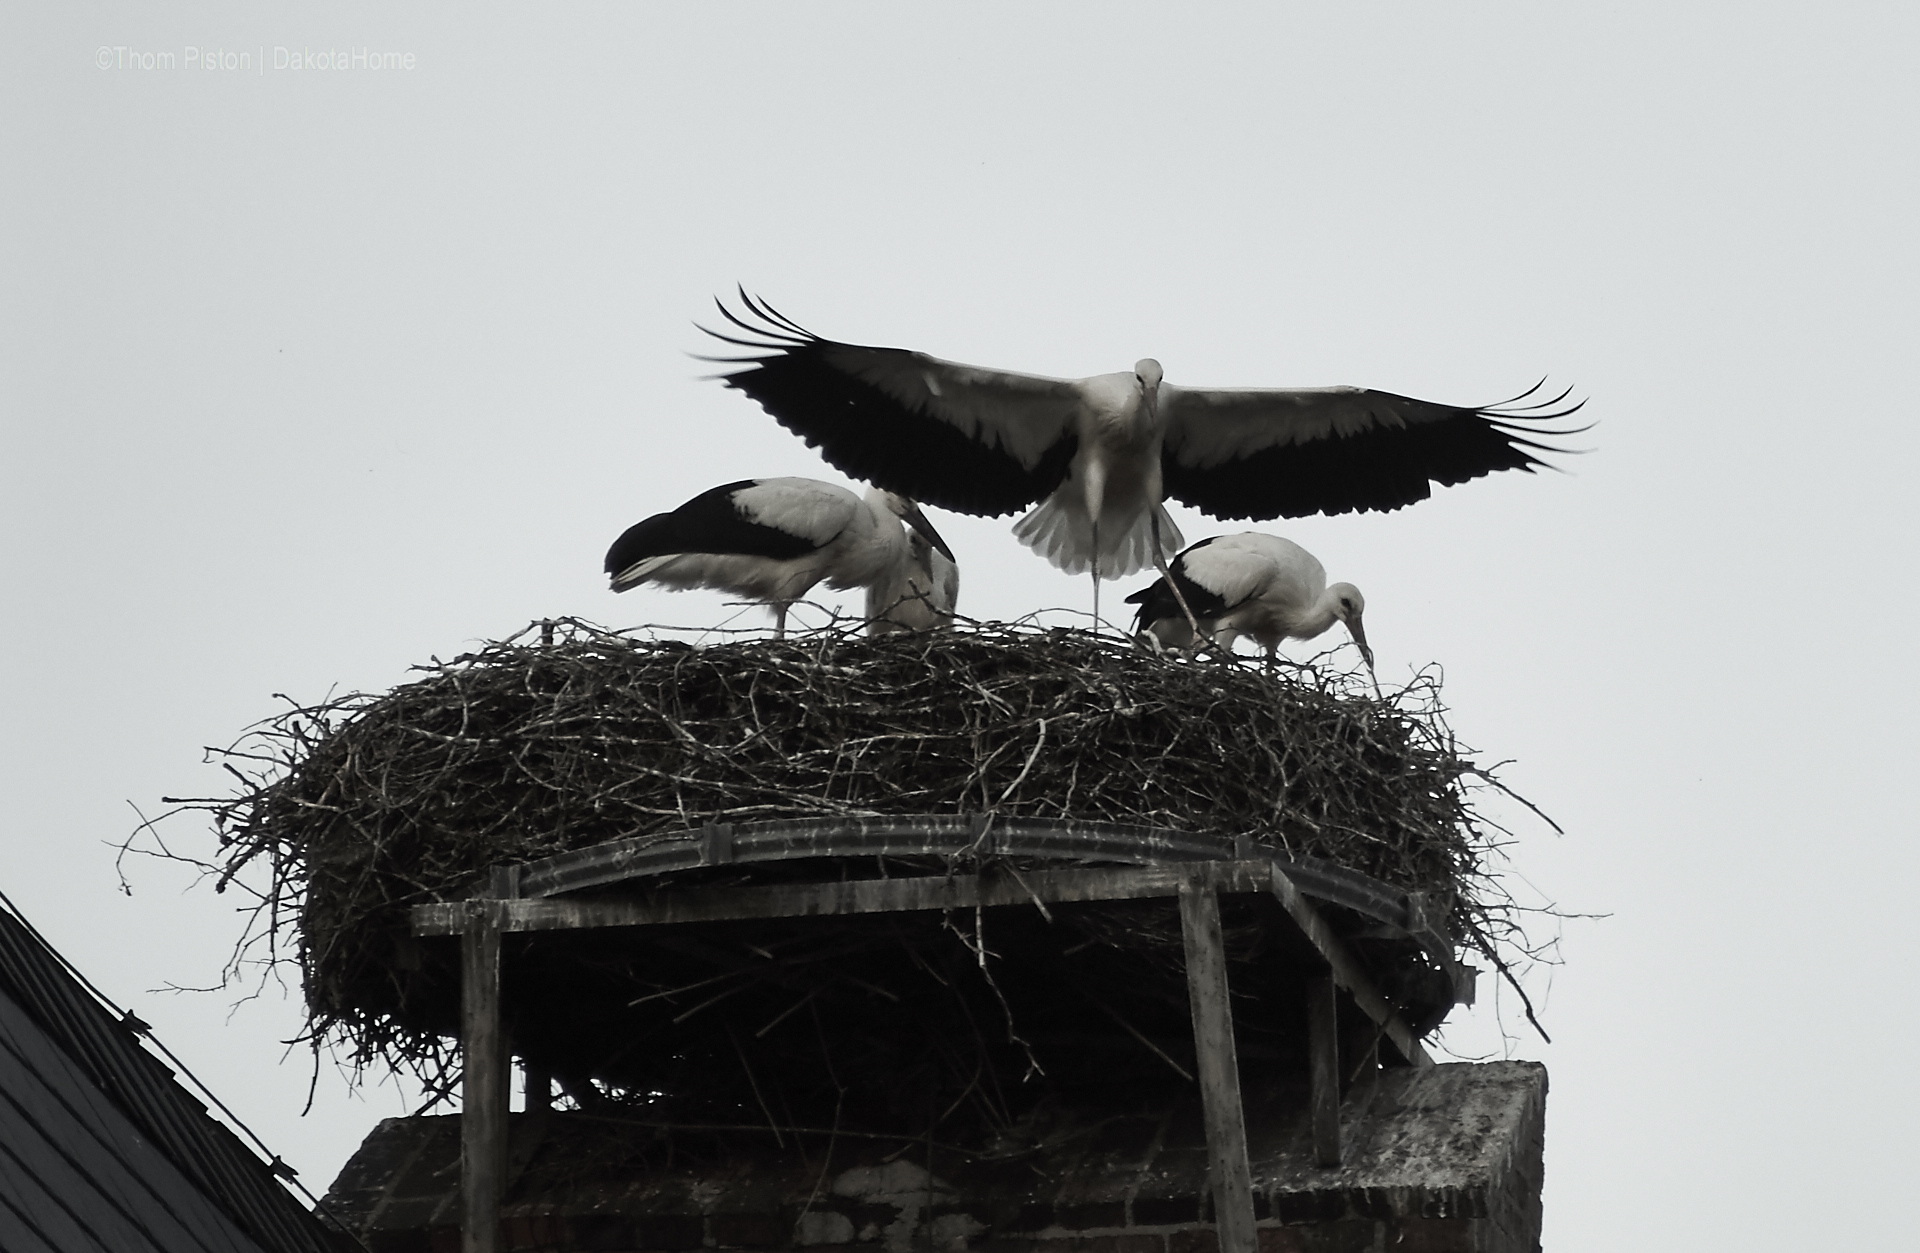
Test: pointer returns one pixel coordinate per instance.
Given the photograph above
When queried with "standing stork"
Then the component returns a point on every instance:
(1249, 584)
(1099, 455)
(772, 540)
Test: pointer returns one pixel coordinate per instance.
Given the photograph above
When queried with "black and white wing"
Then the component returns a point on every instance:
(1287, 453)
(1158, 604)
(776, 519)
(977, 441)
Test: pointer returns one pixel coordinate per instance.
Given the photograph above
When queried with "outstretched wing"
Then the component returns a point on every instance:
(1289, 453)
(971, 440)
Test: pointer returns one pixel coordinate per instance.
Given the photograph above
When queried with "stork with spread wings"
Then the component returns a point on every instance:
(1099, 455)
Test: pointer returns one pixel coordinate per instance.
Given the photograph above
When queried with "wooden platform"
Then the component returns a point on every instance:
(1018, 864)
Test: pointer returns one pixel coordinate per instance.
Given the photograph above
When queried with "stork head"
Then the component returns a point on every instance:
(1147, 371)
(1348, 606)
(908, 512)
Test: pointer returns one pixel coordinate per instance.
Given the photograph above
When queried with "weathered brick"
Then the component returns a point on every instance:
(662, 1231)
(999, 1210)
(1088, 1217)
(1346, 1237)
(750, 1231)
(379, 1241)
(1431, 1235)
(533, 1231)
(1161, 1211)
(1310, 1207)
(821, 1228)
(1068, 1244)
(866, 1214)
(1193, 1240)
(600, 1233)
(1034, 1217)
(1137, 1243)
(1361, 1210)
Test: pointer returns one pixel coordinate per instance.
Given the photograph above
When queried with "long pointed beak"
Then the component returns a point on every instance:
(1360, 641)
(918, 521)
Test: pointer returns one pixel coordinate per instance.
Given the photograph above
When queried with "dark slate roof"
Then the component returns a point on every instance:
(101, 1150)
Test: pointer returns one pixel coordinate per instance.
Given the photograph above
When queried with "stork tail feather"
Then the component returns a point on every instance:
(1066, 537)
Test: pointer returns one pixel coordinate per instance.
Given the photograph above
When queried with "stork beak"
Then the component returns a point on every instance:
(918, 521)
(1360, 641)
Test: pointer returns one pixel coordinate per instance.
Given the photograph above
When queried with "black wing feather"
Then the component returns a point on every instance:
(709, 523)
(868, 435)
(1157, 601)
(1380, 469)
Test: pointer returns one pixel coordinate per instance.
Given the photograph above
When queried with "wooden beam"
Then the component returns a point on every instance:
(1347, 970)
(647, 857)
(483, 1080)
(864, 896)
(1323, 1070)
(851, 896)
(1219, 1066)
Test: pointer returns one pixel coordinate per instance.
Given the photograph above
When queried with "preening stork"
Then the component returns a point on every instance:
(772, 540)
(1099, 455)
(1250, 584)
(918, 594)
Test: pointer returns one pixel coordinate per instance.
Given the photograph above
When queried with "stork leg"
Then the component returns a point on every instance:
(1160, 560)
(1096, 572)
(780, 620)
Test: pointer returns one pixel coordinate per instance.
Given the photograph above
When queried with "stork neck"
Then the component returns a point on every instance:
(1321, 615)
(883, 541)
(1144, 420)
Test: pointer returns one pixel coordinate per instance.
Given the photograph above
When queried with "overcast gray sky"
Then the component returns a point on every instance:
(308, 374)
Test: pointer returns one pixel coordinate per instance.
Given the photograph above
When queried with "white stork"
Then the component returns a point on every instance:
(771, 540)
(1250, 584)
(1099, 455)
(918, 594)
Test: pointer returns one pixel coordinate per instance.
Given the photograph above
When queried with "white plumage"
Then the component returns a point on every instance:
(772, 540)
(1251, 584)
(1099, 455)
(918, 594)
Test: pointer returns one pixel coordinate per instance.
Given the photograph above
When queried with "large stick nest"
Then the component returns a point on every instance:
(366, 805)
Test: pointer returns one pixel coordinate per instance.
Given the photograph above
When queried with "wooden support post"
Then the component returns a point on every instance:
(483, 1080)
(1323, 1070)
(1346, 970)
(1219, 1067)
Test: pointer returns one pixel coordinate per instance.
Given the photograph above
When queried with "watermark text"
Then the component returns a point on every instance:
(259, 60)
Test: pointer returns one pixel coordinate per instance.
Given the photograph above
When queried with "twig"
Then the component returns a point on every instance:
(755, 1085)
